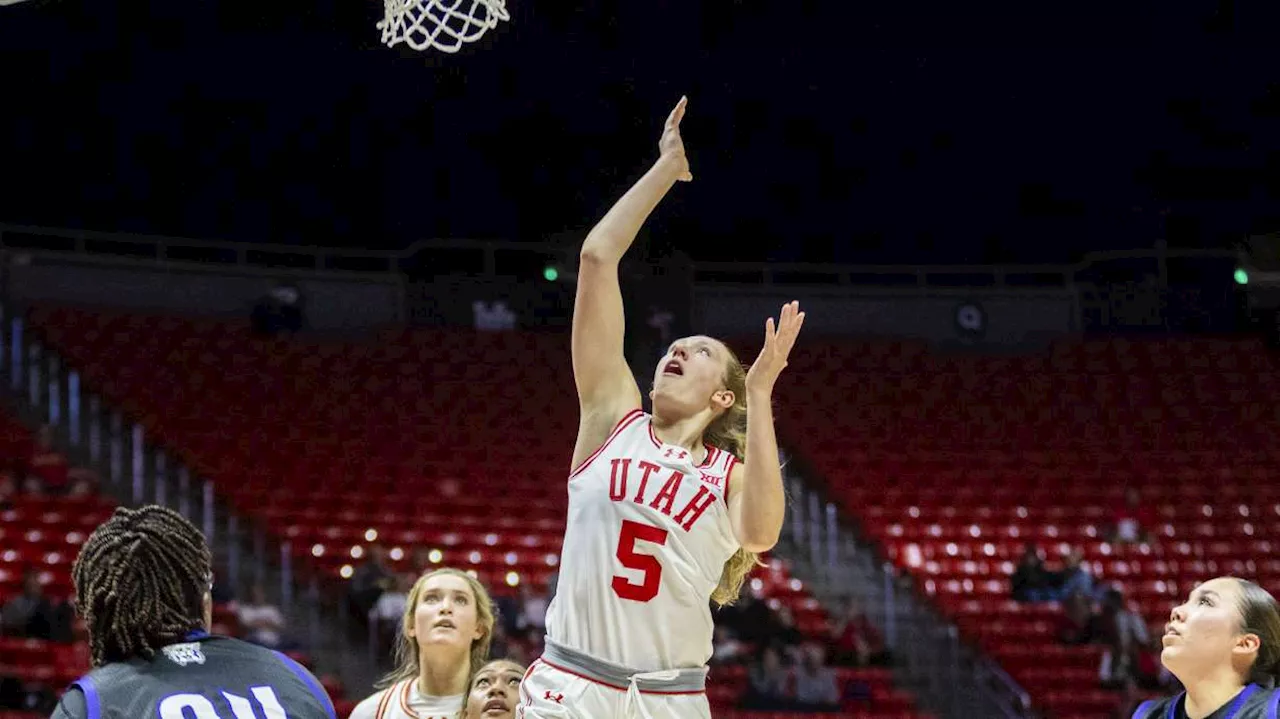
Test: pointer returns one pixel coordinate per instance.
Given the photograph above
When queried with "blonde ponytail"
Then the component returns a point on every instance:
(728, 432)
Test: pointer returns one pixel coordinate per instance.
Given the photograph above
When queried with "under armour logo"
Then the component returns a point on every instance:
(557, 698)
(672, 451)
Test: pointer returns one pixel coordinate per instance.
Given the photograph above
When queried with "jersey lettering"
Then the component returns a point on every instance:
(177, 706)
(619, 473)
(667, 494)
(694, 509)
(648, 564)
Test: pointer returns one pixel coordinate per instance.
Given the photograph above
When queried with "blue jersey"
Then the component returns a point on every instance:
(202, 677)
(1253, 702)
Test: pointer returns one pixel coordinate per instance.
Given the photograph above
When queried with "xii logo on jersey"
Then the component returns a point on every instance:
(184, 654)
(711, 479)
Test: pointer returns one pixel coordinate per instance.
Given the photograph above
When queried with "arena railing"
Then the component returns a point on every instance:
(490, 258)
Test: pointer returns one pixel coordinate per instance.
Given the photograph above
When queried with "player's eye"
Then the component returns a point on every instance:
(482, 683)
(514, 682)
(704, 351)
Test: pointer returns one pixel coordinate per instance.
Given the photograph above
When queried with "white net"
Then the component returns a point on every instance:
(443, 24)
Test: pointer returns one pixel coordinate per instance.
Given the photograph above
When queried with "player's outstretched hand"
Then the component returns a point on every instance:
(672, 145)
(777, 348)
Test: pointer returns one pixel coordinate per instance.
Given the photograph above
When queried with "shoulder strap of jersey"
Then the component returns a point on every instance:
(1273, 704)
(92, 702)
(1144, 708)
(387, 694)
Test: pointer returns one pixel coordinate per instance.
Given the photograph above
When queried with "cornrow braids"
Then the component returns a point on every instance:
(140, 583)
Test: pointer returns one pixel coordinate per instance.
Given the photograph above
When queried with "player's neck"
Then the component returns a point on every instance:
(686, 433)
(443, 676)
(1209, 694)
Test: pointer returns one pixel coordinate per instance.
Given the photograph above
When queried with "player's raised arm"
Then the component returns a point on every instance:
(606, 388)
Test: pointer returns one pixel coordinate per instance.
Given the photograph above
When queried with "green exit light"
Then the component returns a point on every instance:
(1242, 277)
(551, 274)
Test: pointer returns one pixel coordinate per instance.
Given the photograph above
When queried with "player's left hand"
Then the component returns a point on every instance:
(777, 347)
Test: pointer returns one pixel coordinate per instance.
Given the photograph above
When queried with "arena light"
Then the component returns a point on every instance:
(550, 273)
(1242, 277)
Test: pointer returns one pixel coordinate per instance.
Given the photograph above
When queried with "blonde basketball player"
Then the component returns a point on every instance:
(444, 638)
(666, 511)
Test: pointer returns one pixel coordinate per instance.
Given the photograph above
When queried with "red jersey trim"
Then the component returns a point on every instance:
(627, 420)
(570, 672)
(386, 699)
(728, 474)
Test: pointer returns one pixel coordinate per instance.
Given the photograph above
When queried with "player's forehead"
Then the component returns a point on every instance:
(499, 671)
(699, 341)
(1220, 588)
(446, 584)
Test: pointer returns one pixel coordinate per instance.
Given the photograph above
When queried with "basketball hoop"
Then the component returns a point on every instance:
(424, 24)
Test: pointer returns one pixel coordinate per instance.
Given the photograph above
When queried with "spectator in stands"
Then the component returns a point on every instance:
(1075, 577)
(47, 470)
(261, 620)
(494, 317)
(279, 311)
(389, 609)
(1031, 581)
(816, 687)
(768, 682)
(31, 614)
(369, 581)
(751, 619)
(726, 649)
(1077, 619)
(1132, 520)
(786, 634)
(533, 611)
(1123, 634)
(854, 640)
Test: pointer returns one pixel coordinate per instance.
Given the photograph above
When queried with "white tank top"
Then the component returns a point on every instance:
(646, 540)
(402, 700)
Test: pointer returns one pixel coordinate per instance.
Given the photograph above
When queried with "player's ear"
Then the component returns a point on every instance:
(723, 399)
(206, 607)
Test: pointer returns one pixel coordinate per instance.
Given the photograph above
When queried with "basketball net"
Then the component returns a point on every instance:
(424, 24)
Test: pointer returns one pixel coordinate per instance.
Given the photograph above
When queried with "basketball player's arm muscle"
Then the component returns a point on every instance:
(757, 502)
(606, 388)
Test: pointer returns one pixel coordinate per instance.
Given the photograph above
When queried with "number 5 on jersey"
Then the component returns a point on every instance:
(648, 564)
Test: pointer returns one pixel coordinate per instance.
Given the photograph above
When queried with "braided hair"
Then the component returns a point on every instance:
(140, 581)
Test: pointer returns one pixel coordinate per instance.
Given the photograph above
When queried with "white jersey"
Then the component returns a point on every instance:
(646, 540)
(402, 700)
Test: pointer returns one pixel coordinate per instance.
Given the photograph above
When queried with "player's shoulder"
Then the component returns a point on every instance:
(1258, 703)
(369, 706)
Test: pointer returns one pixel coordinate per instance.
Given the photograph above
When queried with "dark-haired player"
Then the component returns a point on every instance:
(142, 585)
(1223, 644)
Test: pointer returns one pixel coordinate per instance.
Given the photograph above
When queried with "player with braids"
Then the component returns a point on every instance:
(143, 582)
(667, 511)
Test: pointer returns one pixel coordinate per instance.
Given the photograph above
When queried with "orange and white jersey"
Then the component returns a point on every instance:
(646, 540)
(402, 700)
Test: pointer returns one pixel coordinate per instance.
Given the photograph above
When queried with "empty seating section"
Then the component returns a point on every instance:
(444, 443)
(953, 463)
